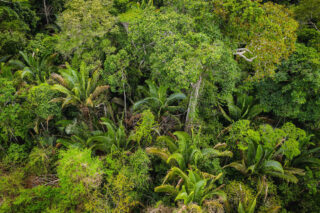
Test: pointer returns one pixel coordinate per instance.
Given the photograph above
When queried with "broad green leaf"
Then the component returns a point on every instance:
(272, 165)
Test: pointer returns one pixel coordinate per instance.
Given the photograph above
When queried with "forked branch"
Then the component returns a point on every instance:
(241, 51)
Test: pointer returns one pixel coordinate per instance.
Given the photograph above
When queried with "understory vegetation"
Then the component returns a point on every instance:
(160, 106)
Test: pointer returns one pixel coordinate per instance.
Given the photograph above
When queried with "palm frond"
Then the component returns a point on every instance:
(220, 146)
(59, 79)
(294, 171)
(176, 97)
(183, 139)
(162, 153)
(63, 90)
(255, 111)
(26, 71)
(68, 101)
(234, 111)
(169, 142)
(286, 176)
(272, 165)
(238, 166)
(17, 63)
(57, 100)
(144, 101)
(175, 171)
(26, 58)
(225, 115)
(98, 91)
(167, 189)
(178, 158)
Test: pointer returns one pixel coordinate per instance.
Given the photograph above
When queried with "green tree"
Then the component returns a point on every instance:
(267, 152)
(307, 11)
(36, 68)
(38, 100)
(293, 91)
(80, 89)
(15, 116)
(84, 29)
(263, 33)
(167, 48)
(16, 21)
(158, 99)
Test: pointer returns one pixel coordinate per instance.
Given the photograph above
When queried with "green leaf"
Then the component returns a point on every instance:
(252, 206)
(169, 142)
(175, 97)
(178, 158)
(138, 104)
(238, 166)
(175, 171)
(254, 111)
(285, 176)
(259, 154)
(167, 189)
(162, 153)
(272, 165)
(225, 115)
(234, 111)
(182, 196)
(240, 208)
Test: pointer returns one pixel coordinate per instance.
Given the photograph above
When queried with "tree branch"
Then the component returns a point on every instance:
(315, 26)
(241, 51)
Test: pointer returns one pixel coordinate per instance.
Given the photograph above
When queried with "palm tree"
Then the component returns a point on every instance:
(260, 161)
(195, 187)
(158, 100)
(244, 108)
(79, 89)
(114, 139)
(37, 68)
(184, 150)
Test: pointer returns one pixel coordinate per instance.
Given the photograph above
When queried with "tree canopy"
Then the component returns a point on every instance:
(160, 106)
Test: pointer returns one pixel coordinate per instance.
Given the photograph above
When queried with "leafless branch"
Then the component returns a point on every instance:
(241, 51)
(315, 26)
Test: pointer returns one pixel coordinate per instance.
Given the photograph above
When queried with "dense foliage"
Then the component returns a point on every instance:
(160, 106)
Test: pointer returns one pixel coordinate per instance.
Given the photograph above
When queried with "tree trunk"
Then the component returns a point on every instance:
(192, 105)
(46, 11)
(86, 115)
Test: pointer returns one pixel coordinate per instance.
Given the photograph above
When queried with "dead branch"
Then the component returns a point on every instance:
(241, 51)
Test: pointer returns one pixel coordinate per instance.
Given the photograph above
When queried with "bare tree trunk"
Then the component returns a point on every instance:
(192, 105)
(125, 102)
(124, 95)
(46, 11)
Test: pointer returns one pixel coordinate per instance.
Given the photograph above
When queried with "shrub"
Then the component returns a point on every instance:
(16, 155)
(79, 174)
(238, 192)
(40, 161)
(144, 130)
